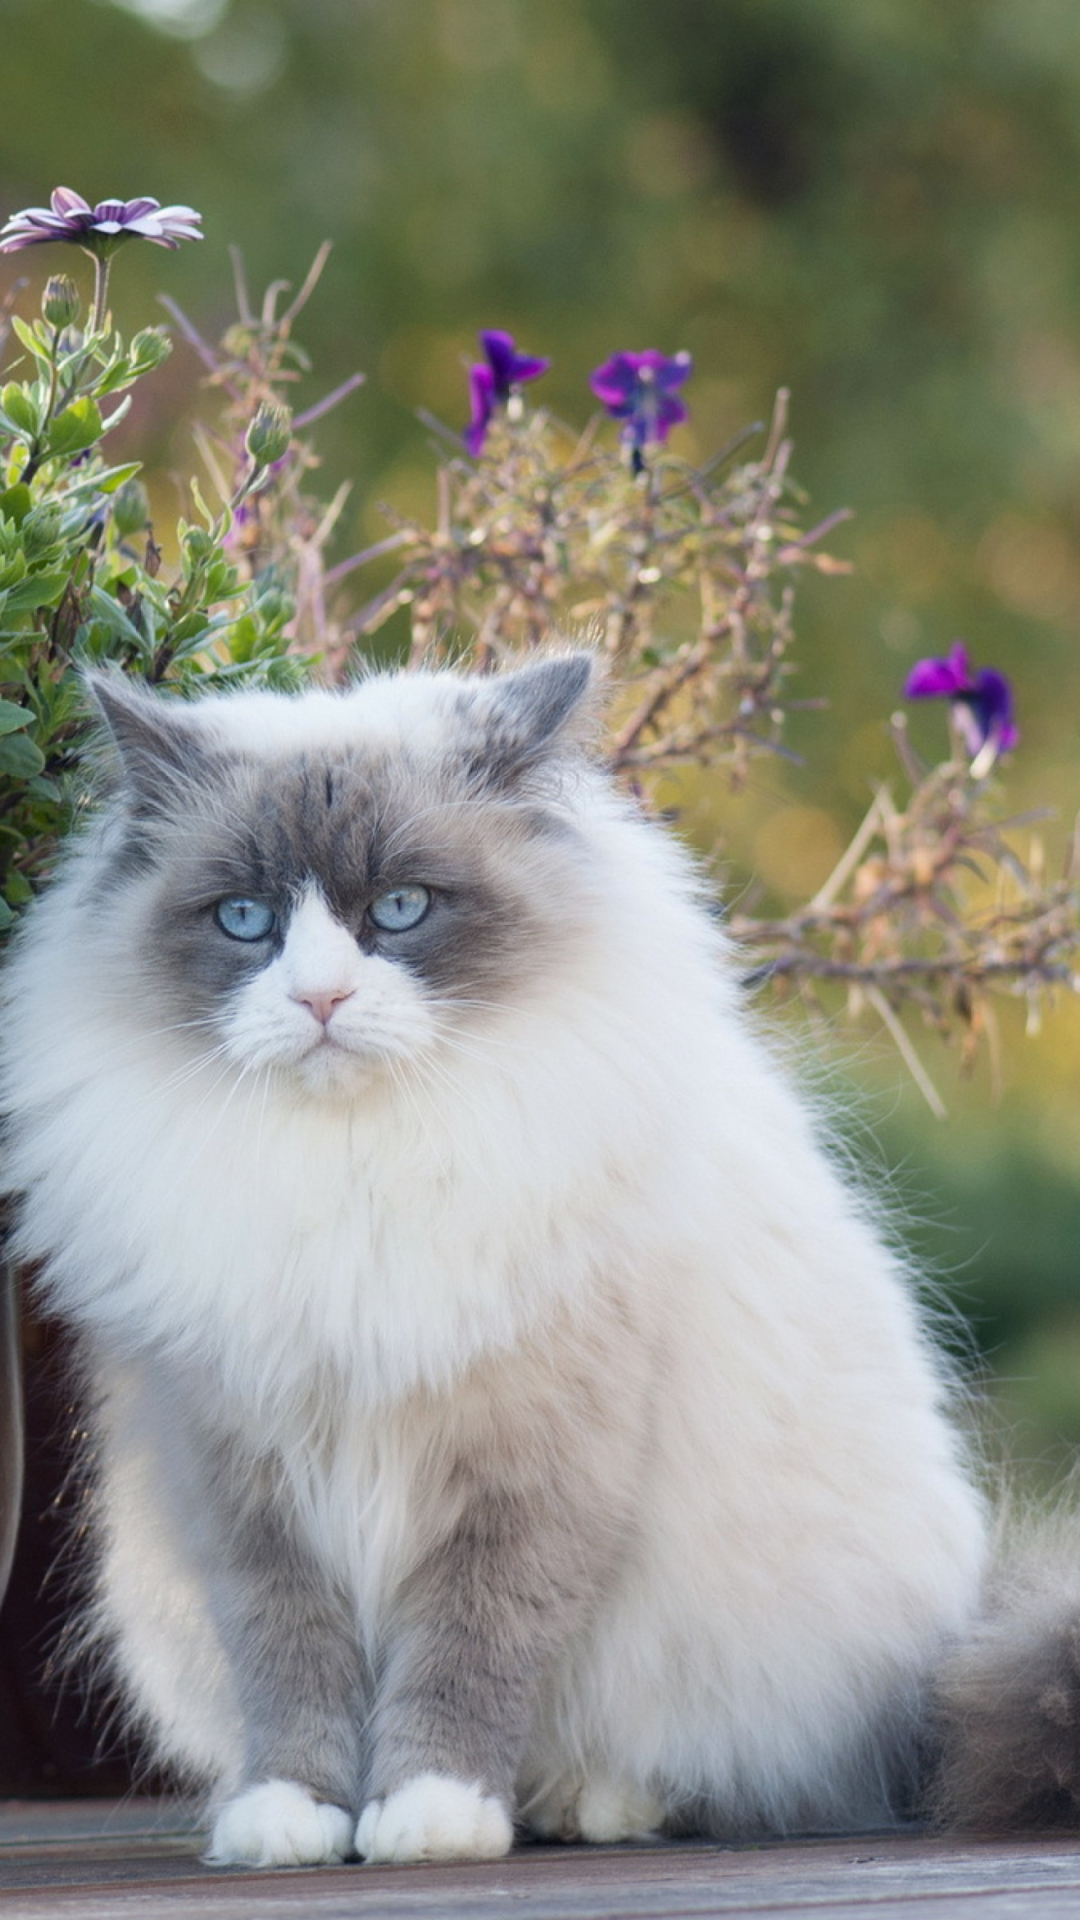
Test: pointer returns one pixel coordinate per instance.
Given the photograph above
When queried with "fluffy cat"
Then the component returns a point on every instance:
(504, 1411)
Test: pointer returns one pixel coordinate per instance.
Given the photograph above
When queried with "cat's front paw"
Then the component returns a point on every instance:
(279, 1824)
(600, 1811)
(435, 1817)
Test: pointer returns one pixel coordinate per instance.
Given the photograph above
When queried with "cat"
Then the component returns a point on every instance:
(505, 1413)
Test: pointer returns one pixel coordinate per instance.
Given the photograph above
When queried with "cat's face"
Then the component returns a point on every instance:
(330, 902)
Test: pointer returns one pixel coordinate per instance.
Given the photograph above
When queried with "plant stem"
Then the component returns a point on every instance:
(101, 292)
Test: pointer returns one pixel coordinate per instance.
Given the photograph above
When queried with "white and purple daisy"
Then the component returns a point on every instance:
(101, 228)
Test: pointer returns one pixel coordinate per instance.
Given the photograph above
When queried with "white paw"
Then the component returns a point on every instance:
(607, 1812)
(435, 1817)
(279, 1824)
(600, 1811)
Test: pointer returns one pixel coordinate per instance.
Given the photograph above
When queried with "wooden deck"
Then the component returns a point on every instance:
(99, 1861)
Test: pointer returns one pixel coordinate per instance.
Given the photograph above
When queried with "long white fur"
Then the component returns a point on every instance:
(808, 1537)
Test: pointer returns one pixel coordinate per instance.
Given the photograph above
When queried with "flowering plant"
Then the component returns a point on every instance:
(81, 576)
(686, 578)
(98, 231)
(495, 381)
(639, 389)
(981, 703)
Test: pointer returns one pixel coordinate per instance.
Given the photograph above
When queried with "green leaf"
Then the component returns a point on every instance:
(19, 409)
(43, 788)
(40, 590)
(196, 494)
(18, 891)
(41, 351)
(19, 757)
(106, 481)
(7, 918)
(12, 717)
(114, 477)
(222, 581)
(112, 615)
(15, 503)
(119, 566)
(116, 415)
(243, 638)
(76, 428)
(193, 626)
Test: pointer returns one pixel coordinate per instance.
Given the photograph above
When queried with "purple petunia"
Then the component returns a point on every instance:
(493, 380)
(982, 701)
(639, 389)
(99, 229)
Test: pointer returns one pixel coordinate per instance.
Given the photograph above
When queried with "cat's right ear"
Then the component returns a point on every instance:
(155, 743)
(525, 714)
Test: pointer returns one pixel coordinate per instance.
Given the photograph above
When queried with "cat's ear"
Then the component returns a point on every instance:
(155, 741)
(528, 713)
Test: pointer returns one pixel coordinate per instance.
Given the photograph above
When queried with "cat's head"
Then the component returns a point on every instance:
(319, 883)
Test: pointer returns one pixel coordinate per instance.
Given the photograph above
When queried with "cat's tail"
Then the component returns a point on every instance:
(1008, 1696)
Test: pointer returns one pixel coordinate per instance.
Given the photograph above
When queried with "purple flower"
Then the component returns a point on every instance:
(982, 702)
(639, 388)
(99, 229)
(492, 382)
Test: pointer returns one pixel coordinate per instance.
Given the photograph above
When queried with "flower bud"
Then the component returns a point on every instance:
(149, 348)
(269, 434)
(198, 545)
(60, 303)
(131, 508)
(275, 608)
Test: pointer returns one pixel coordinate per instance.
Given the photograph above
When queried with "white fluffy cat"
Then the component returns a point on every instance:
(504, 1410)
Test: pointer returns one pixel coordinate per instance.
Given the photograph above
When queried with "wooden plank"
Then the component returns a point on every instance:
(136, 1864)
(46, 1823)
(614, 1901)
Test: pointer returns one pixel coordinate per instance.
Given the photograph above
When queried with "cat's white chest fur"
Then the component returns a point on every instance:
(390, 1237)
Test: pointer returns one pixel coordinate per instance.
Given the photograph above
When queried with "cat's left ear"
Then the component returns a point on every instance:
(529, 713)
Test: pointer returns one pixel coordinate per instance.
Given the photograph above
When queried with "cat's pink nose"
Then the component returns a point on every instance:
(323, 1005)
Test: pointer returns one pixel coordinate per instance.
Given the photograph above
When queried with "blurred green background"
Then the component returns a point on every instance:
(876, 202)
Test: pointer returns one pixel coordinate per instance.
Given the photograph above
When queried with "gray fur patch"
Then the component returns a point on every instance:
(301, 1681)
(504, 871)
(540, 1515)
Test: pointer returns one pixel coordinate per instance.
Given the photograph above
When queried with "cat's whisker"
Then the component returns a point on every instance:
(200, 1023)
(450, 1045)
(258, 1090)
(191, 1069)
(401, 1080)
(267, 1082)
(474, 1046)
(436, 1074)
(182, 1075)
(500, 1046)
(244, 1076)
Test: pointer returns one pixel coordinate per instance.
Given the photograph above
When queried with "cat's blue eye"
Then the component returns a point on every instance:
(400, 908)
(244, 919)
